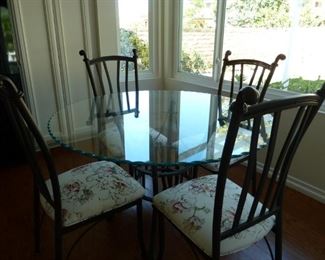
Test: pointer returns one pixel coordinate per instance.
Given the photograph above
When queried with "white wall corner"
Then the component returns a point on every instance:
(301, 186)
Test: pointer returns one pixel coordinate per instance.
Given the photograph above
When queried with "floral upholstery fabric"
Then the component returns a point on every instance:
(189, 206)
(93, 189)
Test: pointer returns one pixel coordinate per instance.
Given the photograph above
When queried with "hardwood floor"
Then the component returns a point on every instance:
(304, 225)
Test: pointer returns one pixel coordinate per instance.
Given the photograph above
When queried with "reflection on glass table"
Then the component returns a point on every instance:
(168, 128)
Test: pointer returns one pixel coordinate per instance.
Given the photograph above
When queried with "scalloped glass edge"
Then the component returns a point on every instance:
(136, 163)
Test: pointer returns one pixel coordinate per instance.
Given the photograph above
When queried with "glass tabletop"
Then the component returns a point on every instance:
(154, 128)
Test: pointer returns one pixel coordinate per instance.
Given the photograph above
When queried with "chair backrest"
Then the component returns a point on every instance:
(103, 70)
(106, 68)
(267, 192)
(247, 72)
(28, 133)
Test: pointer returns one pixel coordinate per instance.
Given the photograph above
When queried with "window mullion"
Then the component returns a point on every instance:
(152, 38)
(178, 34)
(219, 34)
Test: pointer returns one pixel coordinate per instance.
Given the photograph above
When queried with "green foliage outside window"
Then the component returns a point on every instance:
(299, 85)
(270, 14)
(258, 13)
(130, 40)
(193, 63)
(6, 27)
(310, 19)
(194, 22)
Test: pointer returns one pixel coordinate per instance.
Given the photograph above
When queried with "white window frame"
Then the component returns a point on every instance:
(203, 81)
(153, 37)
(198, 82)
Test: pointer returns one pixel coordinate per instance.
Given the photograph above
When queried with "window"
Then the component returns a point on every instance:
(134, 30)
(255, 29)
(293, 27)
(198, 36)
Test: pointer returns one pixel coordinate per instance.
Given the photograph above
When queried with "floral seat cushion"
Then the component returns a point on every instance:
(93, 189)
(189, 206)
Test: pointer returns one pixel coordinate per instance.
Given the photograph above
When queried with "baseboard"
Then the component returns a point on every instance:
(306, 188)
(302, 186)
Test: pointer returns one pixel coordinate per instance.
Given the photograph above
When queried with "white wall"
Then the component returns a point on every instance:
(308, 168)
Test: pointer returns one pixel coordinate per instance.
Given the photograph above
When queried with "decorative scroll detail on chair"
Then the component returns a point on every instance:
(247, 72)
(241, 73)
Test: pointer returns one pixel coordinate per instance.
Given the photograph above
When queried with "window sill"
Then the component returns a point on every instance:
(147, 74)
(187, 81)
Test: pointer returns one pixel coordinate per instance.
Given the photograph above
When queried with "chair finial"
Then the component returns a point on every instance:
(246, 96)
(135, 53)
(279, 57)
(83, 53)
(227, 54)
(249, 95)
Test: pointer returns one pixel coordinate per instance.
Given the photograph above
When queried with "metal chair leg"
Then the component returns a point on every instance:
(36, 220)
(269, 247)
(58, 242)
(132, 171)
(140, 230)
(153, 234)
(161, 231)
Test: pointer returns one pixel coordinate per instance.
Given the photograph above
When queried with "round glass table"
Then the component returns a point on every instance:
(157, 128)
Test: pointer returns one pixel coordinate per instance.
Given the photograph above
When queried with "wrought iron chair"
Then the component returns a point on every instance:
(102, 71)
(237, 74)
(80, 196)
(221, 217)
(101, 68)
(247, 72)
(115, 66)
